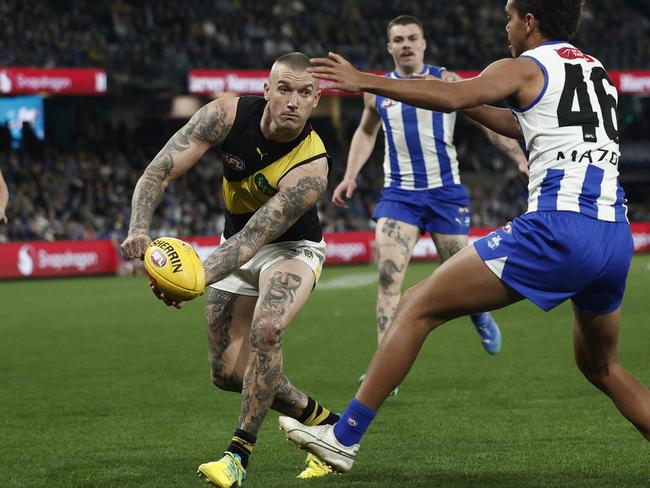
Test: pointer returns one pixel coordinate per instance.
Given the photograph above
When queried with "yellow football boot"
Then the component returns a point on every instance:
(315, 468)
(225, 473)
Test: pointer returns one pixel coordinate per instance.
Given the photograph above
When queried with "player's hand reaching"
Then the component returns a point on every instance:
(343, 192)
(135, 245)
(338, 71)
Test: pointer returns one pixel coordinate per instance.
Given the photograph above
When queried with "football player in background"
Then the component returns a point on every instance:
(272, 249)
(422, 189)
(573, 243)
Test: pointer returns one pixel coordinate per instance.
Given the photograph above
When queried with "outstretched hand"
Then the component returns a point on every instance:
(338, 70)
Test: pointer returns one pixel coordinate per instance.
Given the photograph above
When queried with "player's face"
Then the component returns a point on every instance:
(292, 96)
(516, 29)
(407, 46)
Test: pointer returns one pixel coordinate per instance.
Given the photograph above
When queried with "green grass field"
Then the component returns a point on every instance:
(102, 386)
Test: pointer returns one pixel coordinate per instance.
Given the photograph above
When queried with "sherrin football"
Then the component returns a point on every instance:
(175, 269)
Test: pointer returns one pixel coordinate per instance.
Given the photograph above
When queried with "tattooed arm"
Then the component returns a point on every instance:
(207, 127)
(298, 192)
(510, 148)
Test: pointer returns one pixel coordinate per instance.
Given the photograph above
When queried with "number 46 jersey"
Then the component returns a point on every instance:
(571, 134)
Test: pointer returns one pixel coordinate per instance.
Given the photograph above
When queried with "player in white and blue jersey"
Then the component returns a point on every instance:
(422, 190)
(573, 243)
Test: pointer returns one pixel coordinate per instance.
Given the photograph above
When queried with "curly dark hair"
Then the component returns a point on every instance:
(558, 19)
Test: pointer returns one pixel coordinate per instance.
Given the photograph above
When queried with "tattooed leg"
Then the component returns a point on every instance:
(448, 244)
(394, 241)
(284, 289)
(229, 318)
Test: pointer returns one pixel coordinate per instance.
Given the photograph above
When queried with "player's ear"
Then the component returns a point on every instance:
(531, 23)
(267, 88)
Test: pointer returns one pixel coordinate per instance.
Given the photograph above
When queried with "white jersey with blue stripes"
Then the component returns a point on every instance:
(571, 134)
(419, 144)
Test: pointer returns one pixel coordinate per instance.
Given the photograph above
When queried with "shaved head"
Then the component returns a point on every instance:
(292, 94)
(296, 61)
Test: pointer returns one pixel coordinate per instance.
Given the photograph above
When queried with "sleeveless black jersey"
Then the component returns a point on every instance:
(253, 167)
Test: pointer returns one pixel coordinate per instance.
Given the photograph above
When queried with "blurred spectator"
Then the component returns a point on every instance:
(156, 42)
(5, 138)
(85, 192)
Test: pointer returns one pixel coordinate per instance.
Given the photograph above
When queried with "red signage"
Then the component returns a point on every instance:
(62, 258)
(208, 82)
(241, 82)
(73, 81)
(79, 258)
(631, 82)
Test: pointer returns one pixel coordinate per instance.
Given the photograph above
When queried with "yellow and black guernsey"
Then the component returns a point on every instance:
(253, 167)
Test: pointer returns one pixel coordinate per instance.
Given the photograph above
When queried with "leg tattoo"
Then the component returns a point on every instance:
(264, 375)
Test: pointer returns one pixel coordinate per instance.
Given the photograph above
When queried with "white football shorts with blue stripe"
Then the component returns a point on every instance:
(549, 257)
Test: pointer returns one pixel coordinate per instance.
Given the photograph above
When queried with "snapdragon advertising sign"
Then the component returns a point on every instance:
(79, 258)
(72, 81)
(62, 258)
(207, 82)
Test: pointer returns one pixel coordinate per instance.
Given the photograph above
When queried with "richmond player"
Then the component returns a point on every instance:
(275, 170)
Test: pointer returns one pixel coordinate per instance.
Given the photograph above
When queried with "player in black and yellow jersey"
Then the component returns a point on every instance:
(272, 251)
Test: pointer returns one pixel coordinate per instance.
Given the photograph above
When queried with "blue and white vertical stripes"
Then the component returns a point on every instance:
(420, 152)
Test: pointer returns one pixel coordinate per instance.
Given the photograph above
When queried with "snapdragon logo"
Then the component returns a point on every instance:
(29, 260)
(26, 260)
(67, 259)
(5, 82)
(346, 250)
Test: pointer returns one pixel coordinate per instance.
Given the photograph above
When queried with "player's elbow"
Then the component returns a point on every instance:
(456, 104)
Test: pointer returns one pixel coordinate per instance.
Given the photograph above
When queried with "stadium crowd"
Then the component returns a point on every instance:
(83, 191)
(151, 41)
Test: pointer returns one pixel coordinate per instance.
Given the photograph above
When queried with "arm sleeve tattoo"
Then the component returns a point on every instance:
(207, 127)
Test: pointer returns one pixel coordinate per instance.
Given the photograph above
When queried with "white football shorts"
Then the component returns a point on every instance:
(245, 281)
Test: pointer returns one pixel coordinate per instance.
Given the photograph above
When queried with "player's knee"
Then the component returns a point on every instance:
(223, 379)
(596, 372)
(267, 333)
(417, 309)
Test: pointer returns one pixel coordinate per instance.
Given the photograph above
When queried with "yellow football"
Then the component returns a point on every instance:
(175, 269)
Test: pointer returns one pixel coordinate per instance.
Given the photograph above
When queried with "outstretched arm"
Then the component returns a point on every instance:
(506, 78)
(298, 192)
(207, 127)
